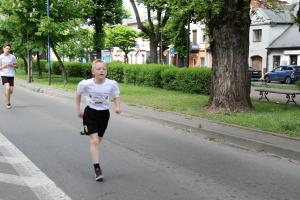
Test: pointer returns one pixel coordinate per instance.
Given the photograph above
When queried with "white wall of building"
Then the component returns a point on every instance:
(269, 34)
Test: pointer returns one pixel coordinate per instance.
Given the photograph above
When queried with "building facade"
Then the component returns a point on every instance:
(273, 38)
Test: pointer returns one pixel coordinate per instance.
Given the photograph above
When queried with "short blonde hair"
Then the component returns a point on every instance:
(98, 61)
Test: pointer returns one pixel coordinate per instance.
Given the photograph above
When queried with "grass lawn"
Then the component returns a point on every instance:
(278, 118)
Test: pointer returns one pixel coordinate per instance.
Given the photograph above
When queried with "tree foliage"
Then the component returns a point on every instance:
(78, 46)
(227, 24)
(123, 37)
(157, 10)
(26, 25)
(104, 12)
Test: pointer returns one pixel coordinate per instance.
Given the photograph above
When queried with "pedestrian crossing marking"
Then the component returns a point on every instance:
(29, 175)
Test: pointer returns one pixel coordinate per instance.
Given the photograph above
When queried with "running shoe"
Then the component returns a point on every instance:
(98, 174)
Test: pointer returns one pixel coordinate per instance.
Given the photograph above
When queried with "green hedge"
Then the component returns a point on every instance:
(190, 80)
(194, 80)
(116, 72)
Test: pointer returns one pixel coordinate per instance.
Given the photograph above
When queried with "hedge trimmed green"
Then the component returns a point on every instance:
(189, 80)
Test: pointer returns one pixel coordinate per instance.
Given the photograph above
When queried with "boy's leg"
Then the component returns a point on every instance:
(7, 92)
(95, 141)
(11, 89)
(94, 147)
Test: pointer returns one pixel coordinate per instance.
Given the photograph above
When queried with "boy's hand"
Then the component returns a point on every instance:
(118, 110)
(79, 114)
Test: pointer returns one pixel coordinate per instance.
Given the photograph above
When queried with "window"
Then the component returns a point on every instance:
(203, 36)
(257, 35)
(293, 59)
(278, 69)
(202, 61)
(276, 61)
(195, 36)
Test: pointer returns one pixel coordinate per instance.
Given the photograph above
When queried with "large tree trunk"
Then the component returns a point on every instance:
(98, 38)
(230, 90)
(153, 51)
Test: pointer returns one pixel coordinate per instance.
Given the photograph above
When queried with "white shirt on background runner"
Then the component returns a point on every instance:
(97, 95)
(7, 59)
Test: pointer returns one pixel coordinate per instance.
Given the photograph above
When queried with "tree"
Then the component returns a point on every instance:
(122, 37)
(228, 24)
(26, 24)
(177, 33)
(78, 46)
(105, 12)
(161, 9)
(19, 25)
(62, 24)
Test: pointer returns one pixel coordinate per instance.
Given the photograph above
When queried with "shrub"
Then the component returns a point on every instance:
(194, 80)
(130, 74)
(168, 78)
(116, 72)
(55, 69)
(78, 69)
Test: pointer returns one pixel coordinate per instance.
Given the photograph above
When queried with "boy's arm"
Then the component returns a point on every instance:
(78, 101)
(117, 105)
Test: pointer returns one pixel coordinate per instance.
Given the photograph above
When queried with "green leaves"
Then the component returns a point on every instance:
(123, 37)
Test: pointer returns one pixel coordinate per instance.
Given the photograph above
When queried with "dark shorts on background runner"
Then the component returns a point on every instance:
(95, 121)
(7, 79)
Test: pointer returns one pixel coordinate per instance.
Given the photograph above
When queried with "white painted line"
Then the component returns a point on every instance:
(30, 175)
(11, 161)
(24, 181)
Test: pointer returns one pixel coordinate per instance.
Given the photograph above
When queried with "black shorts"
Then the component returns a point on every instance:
(7, 79)
(95, 121)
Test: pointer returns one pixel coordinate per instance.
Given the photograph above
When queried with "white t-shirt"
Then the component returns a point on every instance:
(97, 95)
(7, 59)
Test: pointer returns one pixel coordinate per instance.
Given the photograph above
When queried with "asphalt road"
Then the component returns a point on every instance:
(42, 156)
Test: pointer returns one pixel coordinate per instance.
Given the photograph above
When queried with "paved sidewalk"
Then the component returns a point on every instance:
(244, 137)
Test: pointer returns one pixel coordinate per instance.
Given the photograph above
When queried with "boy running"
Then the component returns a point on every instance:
(96, 113)
(8, 64)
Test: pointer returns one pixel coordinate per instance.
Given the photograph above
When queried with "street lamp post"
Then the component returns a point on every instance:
(161, 49)
(188, 42)
(48, 46)
(298, 15)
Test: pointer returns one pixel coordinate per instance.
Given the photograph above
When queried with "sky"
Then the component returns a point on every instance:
(127, 4)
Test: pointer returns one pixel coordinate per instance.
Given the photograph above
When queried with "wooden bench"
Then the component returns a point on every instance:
(289, 94)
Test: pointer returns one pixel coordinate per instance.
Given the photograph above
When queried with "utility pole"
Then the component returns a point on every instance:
(188, 41)
(49, 48)
(298, 16)
(161, 49)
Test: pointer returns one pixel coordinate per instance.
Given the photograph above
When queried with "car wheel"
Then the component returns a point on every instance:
(288, 80)
(267, 78)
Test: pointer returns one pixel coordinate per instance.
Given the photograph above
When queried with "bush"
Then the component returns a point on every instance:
(20, 64)
(55, 68)
(190, 80)
(152, 76)
(130, 74)
(194, 80)
(116, 72)
(168, 77)
(78, 69)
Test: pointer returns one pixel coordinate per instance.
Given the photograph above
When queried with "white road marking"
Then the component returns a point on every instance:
(30, 175)
(11, 161)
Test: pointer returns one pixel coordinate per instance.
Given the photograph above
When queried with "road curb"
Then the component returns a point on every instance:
(247, 143)
(243, 142)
